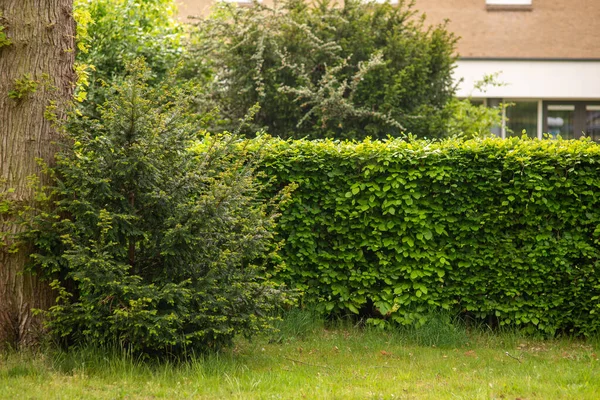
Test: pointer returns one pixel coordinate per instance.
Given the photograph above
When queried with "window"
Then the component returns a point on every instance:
(560, 119)
(508, 2)
(522, 116)
(569, 119)
(508, 5)
(572, 119)
(592, 122)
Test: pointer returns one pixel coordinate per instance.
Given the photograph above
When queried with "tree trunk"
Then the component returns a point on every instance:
(41, 56)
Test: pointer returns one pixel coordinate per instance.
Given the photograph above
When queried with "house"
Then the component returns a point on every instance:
(545, 52)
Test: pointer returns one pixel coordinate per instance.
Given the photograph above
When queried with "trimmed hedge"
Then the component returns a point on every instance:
(507, 229)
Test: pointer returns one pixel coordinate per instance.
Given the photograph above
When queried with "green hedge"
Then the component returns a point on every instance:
(507, 229)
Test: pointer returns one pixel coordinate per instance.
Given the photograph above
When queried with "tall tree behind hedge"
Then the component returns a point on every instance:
(112, 33)
(327, 70)
(36, 81)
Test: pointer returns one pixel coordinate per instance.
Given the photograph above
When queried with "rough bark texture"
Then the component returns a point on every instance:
(42, 35)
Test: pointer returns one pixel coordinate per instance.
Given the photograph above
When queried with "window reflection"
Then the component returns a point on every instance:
(522, 115)
(592, 122)
(560, 120)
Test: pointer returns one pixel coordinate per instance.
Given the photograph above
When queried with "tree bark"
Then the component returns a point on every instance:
(41, 49)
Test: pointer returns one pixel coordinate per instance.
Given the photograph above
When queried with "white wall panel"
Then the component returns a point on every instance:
(531, 79)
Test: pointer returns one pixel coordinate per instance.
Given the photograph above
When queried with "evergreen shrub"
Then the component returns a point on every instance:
(507, 230)
(156, 236)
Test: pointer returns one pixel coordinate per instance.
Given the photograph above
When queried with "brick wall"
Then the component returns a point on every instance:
(549, 29)
(193, 7)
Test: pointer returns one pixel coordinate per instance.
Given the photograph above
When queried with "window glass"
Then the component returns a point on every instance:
(522, 115)
(560, 120)
(592, 122)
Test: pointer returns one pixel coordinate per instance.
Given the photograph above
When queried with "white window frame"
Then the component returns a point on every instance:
(508, 2)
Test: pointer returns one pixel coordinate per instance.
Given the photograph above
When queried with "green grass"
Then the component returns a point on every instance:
(313, 361)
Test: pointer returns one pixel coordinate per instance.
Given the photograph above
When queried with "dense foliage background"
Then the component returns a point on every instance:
(505, 229)
(325, 70)
(113, 33)
(361, 70)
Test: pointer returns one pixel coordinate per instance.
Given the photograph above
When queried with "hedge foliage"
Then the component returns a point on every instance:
(507, 229)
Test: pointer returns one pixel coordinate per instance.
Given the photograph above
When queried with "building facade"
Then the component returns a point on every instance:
(546, 54)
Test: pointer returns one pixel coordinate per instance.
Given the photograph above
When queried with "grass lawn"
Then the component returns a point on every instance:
(315, 362)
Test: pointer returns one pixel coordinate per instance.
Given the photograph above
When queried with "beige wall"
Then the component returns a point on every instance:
(201, 8)
(193, 8)
(549, 29)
